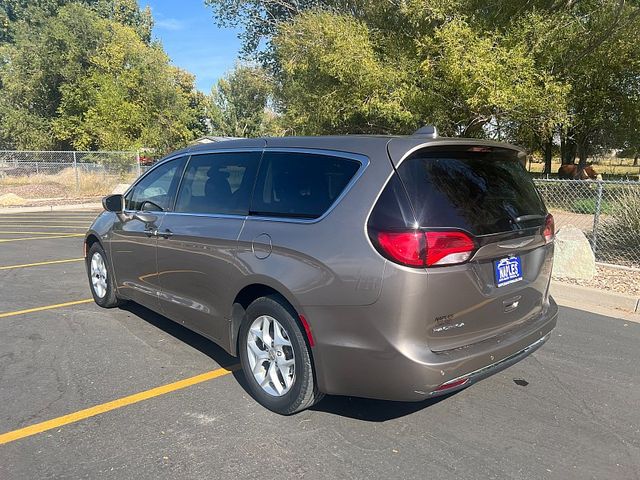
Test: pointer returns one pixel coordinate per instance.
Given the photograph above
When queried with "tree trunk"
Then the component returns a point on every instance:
(582, 156)
(567, 149)
(475, 126)
(548, 155)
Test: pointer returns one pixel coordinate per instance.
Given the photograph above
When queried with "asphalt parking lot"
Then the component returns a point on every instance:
(125, 393)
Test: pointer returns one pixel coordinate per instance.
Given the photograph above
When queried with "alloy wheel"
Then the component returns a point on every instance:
(271, 356)
(98, 275)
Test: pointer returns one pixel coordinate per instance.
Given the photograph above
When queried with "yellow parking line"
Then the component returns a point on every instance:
(46, 307)
(112, 405)
(5, 240)
(37, 264)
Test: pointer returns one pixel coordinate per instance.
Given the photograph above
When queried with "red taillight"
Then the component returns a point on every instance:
(426, 249)
(407, 248)
(549, 228)
(446, 248)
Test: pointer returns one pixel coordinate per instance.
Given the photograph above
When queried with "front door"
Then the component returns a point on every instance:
(133, 243)
(197, 242)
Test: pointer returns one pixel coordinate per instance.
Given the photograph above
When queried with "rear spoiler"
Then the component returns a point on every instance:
(401, 147)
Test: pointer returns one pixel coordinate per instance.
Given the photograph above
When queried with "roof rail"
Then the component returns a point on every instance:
(426, 131)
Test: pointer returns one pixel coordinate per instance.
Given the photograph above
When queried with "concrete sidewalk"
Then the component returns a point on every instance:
(52, 208)
(597, 301)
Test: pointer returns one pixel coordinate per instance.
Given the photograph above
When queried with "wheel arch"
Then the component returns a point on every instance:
(251, 292)
(89, 240)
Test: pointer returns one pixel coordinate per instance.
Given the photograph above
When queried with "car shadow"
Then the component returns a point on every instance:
(370, 410)
(191, 338)
(364, 409)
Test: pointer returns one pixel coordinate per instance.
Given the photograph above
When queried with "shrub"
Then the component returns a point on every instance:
(90, 184)
(619, 234)
(588, 205)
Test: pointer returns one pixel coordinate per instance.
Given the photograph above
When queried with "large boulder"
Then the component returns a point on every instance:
(573, 257)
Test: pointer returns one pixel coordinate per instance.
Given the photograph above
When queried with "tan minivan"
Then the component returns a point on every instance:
(396, 268)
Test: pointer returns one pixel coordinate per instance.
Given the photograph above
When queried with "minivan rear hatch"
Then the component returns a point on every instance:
(484, 191)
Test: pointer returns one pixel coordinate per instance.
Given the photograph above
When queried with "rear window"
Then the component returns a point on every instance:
(300, 185)
(481, 190)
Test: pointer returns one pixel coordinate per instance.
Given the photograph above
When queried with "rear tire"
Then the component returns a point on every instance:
(101, 279)
(278, 370)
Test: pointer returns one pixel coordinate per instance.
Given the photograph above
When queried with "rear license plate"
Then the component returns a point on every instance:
(507, 270)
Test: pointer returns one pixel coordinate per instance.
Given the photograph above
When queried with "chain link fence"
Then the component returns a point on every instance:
(608, 212)
(34, 175)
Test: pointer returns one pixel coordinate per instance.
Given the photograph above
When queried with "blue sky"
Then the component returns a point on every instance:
(193, 40)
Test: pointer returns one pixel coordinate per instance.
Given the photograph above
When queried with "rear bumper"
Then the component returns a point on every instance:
(396, 367)
(467, 379)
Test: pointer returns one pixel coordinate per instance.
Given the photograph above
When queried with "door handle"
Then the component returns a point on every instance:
(166, 234)
(151, 232)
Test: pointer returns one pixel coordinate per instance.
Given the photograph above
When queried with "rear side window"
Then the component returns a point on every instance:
(218, 183)
(393, 210)
(300, 185)
(479, 189)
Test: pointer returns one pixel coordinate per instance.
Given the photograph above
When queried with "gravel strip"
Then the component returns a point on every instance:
(611, 279)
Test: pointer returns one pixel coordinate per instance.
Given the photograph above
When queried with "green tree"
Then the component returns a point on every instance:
(332, 80)
(86, 79)
(482, 81)
(335, 75)
(258, 18)
(35, 12)
(592, 46)
(550, 74)
(127, 12)
(36, 65)
(130, 97)
(239, 104)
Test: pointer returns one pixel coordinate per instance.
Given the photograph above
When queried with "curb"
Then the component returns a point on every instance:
(52, 208)
(617, 267)
(586, 297)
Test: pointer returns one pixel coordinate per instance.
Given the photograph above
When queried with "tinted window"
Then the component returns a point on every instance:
(218, 183)
(300, 185)
(481, 190)
(393, 210)
(156, 190)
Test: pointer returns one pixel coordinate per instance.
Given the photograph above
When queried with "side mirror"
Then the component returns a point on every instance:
(113, 203)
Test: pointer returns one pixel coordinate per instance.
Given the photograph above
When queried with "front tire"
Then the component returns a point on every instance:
(101, 279)
(275, 357)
